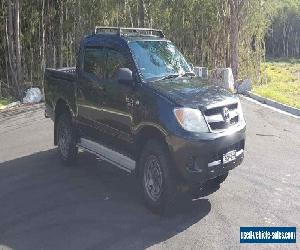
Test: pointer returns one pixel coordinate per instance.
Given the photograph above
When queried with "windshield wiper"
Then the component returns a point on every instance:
(188, 74)
(171, 76)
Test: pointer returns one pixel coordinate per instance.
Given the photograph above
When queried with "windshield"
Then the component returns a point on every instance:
(158, 59)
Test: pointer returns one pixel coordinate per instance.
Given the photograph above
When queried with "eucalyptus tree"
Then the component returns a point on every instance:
(212, 33)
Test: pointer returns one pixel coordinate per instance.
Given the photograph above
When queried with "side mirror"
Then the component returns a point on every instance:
(124, 76)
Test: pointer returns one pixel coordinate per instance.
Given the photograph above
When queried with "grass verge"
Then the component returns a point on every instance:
(4, 102)
(281, 82)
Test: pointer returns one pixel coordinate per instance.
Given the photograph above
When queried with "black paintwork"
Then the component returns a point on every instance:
(192, 92)
(119, 114)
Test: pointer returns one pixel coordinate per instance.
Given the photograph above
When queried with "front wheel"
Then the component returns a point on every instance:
(156, 177)
(66, 139)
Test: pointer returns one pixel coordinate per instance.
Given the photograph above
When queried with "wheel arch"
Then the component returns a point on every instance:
(145, 133)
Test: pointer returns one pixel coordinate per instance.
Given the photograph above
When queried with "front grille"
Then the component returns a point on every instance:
(218, 110)
(215, 117)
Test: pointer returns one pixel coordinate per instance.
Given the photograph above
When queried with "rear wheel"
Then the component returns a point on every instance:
(66, 139)
(156, 178)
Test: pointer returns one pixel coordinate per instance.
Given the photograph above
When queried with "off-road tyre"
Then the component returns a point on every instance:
(155, 155)
(66, 139)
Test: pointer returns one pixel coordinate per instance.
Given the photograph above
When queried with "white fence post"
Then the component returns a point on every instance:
(223, 77)
(201, 72)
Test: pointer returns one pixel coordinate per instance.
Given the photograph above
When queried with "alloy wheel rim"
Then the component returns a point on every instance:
(153, 177)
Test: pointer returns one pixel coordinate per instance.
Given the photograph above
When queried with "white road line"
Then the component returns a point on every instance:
(269, 107)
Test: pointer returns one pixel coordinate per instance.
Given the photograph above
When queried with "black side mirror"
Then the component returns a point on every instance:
(124, 76)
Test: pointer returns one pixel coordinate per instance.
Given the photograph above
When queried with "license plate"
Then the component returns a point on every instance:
(229, 156)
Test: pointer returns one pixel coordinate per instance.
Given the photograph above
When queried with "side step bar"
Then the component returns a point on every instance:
(107, 154)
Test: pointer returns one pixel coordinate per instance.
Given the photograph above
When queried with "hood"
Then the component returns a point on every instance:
(193, 92)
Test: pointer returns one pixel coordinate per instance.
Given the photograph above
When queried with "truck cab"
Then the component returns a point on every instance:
(134, 101)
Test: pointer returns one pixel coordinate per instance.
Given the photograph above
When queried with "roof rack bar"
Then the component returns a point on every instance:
(120, 30)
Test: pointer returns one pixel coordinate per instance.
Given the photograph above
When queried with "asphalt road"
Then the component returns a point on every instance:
(45, 205)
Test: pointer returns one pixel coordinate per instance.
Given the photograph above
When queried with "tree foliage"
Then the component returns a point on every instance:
(50, 31)
(283, 37)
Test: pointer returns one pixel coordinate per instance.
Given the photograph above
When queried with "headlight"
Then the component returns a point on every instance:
(191, 119)
(240, 111)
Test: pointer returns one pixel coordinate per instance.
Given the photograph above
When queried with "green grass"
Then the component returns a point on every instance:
(4, 102)
(281, 81)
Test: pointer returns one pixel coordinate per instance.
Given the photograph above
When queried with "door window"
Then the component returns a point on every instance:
(115, 60)
(95, 61)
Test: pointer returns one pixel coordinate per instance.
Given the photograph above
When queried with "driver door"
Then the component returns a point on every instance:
(117, 111)
(91, 92)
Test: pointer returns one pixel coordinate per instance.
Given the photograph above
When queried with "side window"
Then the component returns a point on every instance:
(115, 60)
(95, 61)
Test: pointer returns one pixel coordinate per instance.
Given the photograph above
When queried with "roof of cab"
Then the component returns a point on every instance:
(115, 39)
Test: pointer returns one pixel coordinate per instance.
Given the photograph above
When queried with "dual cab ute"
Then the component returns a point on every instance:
(134, 101)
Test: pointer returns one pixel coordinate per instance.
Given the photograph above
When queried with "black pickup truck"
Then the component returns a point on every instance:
(134, 101)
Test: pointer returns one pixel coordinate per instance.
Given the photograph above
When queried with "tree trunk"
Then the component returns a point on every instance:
(61, 35)
(13, 73)
(43, 45)
(141, 13)
(18, 46)
(129, 11)
(234, 37)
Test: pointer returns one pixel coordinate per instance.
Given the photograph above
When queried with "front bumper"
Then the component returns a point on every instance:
(199, 159)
